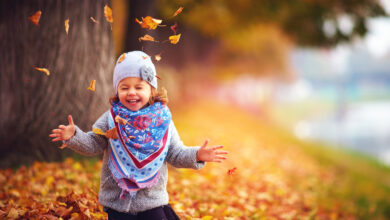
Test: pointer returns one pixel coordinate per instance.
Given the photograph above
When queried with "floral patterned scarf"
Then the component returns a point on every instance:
(138, 153)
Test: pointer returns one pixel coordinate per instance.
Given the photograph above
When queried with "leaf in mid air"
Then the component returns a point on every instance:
(147, 37)
(93, 19)
(43, 70)
(35, 18)
(178, 11)
(149, 22)
(92, 85)
(122, 57)
(174, 39)
(108, 14)
(67, 26)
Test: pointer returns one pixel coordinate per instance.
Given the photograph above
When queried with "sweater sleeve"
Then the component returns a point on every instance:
(89, 143)
(179, 155)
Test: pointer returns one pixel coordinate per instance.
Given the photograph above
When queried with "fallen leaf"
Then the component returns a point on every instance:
(120, 120)
(174, 39)
(13, 214)
(35, 18)
(149, 22)
(231, 171)
(157, 57)
(178, 11)
(67, 26)
(108, 14)
(92, 85)
(43, 70)
(147, 38)
(93, 19)
(174, 28)
(112, 133)
(122, 57)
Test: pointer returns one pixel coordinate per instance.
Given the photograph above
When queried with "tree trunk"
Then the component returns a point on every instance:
(32, 103)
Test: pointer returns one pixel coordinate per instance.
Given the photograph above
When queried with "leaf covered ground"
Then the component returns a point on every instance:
(268, 175)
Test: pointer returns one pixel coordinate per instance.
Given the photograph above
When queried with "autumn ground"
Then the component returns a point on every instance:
(269, 175)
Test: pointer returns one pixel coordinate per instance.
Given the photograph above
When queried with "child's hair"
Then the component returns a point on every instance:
(156, 96)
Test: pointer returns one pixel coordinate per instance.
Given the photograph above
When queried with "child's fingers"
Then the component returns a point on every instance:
(70, 119)
(54, 135)
(217, 147)
(205, 143)
(56, 131)
(220, 157)
(221, 152)
(62, 126)
(57, 139)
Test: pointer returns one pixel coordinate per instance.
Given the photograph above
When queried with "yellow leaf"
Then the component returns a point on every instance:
(108, 14)
(146, 38)
(98, 131)
(207, 217)
(174, 39)
(92, 85)
(122, 57)
(43, 70)
(49, 180)
(13, 214)
(67, 26)
(149, 22)
(35, 18)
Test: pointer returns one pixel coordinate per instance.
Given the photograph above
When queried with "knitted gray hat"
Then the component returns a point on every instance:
(134, 64)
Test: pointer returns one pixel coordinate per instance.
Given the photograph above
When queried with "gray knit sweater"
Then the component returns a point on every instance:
(90, 144)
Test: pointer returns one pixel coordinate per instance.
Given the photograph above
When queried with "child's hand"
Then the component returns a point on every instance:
(210, 154)
(63, 132)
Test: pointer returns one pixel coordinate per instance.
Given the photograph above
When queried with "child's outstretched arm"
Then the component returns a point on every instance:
(86, 143)
(211, 154)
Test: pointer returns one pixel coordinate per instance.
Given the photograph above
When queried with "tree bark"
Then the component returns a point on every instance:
(32, 103)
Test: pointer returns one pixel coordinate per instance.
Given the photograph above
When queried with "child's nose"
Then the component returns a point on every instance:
(131, 91)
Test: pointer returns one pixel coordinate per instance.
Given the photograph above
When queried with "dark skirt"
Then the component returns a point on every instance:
(164, 212)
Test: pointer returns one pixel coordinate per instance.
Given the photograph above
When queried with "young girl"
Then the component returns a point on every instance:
(137, 137)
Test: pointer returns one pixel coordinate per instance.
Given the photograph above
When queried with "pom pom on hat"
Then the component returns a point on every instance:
(134, 64)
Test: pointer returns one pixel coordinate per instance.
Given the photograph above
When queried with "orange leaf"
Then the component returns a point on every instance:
(147, 38)
(93, 19)
(35, 18)
(178, 11)
(67, 26)
(174, 39)
(92, 86)
(231, 171)
(108, 14)
(43, 70)
(122, 57)
(149, 22)
(120, 120)
(112, 133)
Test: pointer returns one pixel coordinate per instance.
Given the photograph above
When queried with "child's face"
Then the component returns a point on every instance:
(134, 93)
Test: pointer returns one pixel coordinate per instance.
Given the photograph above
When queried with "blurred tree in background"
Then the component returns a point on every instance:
(32, 104)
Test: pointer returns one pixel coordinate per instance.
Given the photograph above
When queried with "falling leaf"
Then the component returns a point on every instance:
(108, 14)
(93, 19)
(149, 22)
(231, 171)
(98, 131)
(174, 28)
(122, 57)
(178, 11)
(174, 39)
(120, 120)
(35, 18)
(157, 57)
(112, 133)
(147, 38)
(92, 85)
(43, 70)
(67, 26)
(63, 146)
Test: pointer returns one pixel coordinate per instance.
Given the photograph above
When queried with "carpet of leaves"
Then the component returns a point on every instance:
(264, 177)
